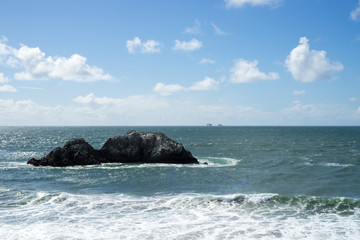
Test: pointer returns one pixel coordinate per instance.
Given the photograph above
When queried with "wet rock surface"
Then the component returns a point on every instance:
(132, 147)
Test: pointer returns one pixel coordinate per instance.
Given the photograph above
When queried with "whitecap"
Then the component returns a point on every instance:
(337, 165)
(219, 161)
(180, 216)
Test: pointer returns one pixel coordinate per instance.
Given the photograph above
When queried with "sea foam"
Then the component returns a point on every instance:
(182, 216)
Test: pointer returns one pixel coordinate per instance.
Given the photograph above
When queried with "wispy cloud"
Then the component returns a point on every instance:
(254, 3)
(195, 29)
(354, 15)
(299, 92)
(137, 46)
(189, 46)
(353, 99)
(31, 88)
(206, 61)
(3, 79)
(7, 88)
(204, 85)
(307, 65)
(245, 71)
(218, 31)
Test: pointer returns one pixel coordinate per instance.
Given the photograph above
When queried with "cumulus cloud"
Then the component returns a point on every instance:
(206, 84)
(194, 29)
(39, 67)
(138, 46)
(245, 71)
(354, 15)
(217, 30)
(206, 61)
(7, 88)
(299, 92)
(189, 46)
(167, 90)
(307, 65)
(242, 3)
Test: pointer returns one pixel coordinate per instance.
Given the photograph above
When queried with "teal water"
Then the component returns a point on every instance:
(260, 183)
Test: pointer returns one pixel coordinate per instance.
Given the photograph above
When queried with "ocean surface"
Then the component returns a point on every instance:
(260, 183)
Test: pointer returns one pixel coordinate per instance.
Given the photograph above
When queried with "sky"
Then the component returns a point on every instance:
(180, 63)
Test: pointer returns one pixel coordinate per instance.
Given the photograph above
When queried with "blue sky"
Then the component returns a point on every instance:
(234, 62)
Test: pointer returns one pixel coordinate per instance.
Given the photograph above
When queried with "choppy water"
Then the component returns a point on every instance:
(261, 183)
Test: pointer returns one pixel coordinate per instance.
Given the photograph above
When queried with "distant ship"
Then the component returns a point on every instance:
(210, 125)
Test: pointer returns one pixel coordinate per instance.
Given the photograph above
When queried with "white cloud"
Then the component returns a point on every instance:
(217, 30)
(206, 84)
(39, 67)
(136, 45)
(4, 48)
(206, 61)
(167, 90)
(194, 29)
(242, 3)
(299, 92)
(3, 79)
(353, 99)
(245, 71)
(307, 65)
(189, 46)
(27, 112)
(31, 88)
(7, 53)
(319, 114)
(143, 110)
(7, 88)
(354, 15)
(151, 110)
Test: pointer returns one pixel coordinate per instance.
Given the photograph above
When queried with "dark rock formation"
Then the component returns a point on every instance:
(74, 152)
(136, 147)
(132, 147)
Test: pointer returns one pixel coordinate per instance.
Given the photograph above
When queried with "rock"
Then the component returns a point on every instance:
(135, 147)
(132, 147)
(75, 152)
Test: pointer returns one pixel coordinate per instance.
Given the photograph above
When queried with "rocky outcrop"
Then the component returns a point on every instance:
(75, 152)
(136, 147)
(132, 147)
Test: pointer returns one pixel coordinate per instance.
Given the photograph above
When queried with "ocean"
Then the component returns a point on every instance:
(260, 183)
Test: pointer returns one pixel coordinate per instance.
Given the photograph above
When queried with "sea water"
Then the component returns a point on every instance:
(260, 183)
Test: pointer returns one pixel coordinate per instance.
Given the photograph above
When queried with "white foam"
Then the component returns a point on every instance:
(338, 165)
(211, 162)
(117, 216)
(219, 161)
